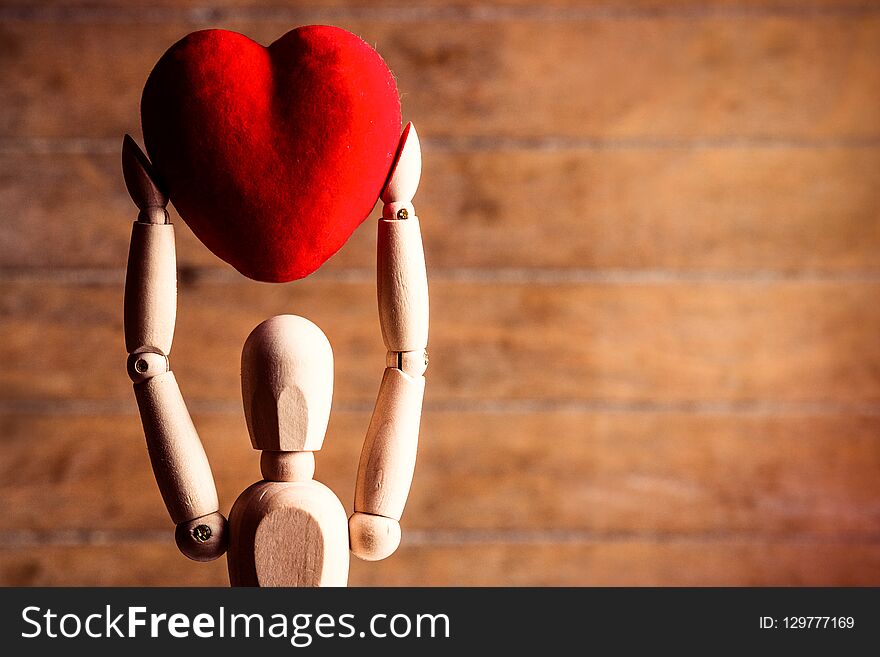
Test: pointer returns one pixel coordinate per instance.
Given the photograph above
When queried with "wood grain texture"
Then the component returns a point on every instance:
(666, 342)
(402, 285)
(610, 474)
(388, 458)
(288, 534)
(638, 563)
(287, 384)
(287, 466)
(614, 77)
(180, 465)
(651, 231)
(643, 563)
(683, 209)
(150, 306)
(652, 7)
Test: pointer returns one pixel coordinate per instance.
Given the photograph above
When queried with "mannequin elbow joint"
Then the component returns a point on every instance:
(145, 363)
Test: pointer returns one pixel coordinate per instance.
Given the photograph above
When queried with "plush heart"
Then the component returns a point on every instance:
(273, 156)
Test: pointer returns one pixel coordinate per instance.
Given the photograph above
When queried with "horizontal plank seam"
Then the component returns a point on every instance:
(208, 14)
(563, 143)
(483, 143)
(759, 408)
(18, 539)
(113, 276)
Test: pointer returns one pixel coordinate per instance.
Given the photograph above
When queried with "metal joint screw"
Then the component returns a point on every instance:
(202, 533)
(402, 214)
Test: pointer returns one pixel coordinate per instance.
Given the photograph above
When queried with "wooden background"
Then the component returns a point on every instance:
(652, 233)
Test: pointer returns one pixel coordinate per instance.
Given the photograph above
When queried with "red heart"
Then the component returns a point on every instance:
(273, 156)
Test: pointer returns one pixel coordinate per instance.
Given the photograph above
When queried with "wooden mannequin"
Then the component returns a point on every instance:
(288, 529)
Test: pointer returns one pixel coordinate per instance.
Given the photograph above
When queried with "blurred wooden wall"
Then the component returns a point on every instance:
(652, 234)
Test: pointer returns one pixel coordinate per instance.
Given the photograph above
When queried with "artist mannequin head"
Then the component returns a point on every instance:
(287, 384)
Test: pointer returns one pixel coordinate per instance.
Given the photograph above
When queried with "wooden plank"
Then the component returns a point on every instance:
(621, 77)
(603, 473)
(629, 564)
(676, 343)
(592, 564)
(732, 210)
(81, 201)
(652, 7)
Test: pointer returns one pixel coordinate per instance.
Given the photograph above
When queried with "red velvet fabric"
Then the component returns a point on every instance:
(273, 156)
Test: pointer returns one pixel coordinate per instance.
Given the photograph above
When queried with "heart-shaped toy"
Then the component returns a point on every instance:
(273, 156)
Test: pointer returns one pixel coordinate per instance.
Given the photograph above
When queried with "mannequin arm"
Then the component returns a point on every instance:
(178, 459)
(389, 454)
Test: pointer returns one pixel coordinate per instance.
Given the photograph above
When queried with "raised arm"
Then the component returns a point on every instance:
(389, 453)
(179, 461)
